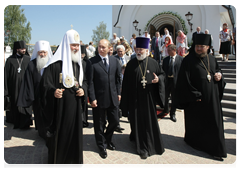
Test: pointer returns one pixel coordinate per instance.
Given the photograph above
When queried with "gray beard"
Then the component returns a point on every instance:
(41, 62)
(75, 57)
(141, 56)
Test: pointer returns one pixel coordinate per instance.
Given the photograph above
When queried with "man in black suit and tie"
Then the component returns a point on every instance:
(156, 44)
(197, 32)
(104, 96)
(171, 66)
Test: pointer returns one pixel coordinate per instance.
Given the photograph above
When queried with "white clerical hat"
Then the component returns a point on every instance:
(41, 46)
(63, 53)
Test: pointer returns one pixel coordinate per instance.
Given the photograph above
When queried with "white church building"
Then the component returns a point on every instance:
(154, 18)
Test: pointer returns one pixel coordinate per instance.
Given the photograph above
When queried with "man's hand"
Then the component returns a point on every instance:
(156, 79)
(58, 93)
(94, 103)
(80, 92)
(119, 97)
(217, 76)
(198, 100)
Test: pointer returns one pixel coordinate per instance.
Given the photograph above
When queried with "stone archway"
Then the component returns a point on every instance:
(165, 20)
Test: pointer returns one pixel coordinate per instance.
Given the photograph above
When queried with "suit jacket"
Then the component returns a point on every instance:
(193, 35)
(177, 65)
(154, 43)
(105, 85)
(127, 58)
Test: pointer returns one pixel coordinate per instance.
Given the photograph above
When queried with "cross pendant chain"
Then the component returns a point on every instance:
(144, 82)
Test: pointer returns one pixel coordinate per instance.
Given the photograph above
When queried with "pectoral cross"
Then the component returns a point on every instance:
(143, 82)
(19, 69)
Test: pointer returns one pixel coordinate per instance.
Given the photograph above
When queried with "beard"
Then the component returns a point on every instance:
(21, 53)
(202, 55)
(41, 62)
(141, 56)
(75, 56)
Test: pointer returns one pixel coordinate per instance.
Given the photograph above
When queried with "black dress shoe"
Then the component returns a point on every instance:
(122, 128)
(103, 153)
(111, 146)
(162, 115)
(173, 118)
(118, 129)
(144, 155)
(218, 158)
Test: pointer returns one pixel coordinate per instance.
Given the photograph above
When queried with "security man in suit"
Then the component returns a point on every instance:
(198, 31)
(171, 66)
(156, 44)
(104, 96)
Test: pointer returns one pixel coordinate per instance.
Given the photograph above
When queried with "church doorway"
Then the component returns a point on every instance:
(170, 29)
(169, 21)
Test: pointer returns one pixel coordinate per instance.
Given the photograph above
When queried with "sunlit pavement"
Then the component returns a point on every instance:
(26, 147)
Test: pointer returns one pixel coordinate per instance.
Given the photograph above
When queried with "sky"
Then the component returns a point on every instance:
(51, 22)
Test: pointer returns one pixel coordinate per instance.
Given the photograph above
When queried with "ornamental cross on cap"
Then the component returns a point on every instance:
(71, 26)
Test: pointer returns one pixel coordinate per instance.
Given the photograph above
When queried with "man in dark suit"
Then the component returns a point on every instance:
(156, 44)
(104, 96)
(197, 32)
(171, 66)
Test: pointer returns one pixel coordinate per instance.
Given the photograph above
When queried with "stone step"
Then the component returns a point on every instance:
(231, 91)
(230, 76)
(230, 80)
(229, 112)
(228, 71)
(227, 66)
(230, 97)
(228, 104)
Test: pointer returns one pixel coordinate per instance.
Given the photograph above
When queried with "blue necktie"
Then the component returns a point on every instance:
(122, 60)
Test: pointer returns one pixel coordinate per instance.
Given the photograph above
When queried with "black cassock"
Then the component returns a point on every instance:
(20, 117)
(141, 104)
(30, 95)
(204, 119)
(62, 117)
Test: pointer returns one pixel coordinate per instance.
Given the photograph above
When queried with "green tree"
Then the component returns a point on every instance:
(100, 33)
(16, 22)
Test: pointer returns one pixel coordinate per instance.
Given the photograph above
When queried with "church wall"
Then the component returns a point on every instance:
(206, 16)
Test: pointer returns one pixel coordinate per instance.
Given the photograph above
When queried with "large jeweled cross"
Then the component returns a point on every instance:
(143, 82)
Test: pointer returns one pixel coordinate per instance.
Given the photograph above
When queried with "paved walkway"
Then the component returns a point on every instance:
(26, 147)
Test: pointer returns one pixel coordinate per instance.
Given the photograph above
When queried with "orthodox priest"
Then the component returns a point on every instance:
(15, 68)
(62, 90)
(29, 93)
(142, 90)
(199, 91)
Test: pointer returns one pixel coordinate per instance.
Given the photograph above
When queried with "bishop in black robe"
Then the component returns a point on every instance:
(29, 95)
(62, 117)
(19, 116)
(139, 104)
(201, 101)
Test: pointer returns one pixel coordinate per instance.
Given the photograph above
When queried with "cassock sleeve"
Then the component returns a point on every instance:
(185, 92)
(161, 86)
(221, 83)
(91, 90)
(26, 93)
(124, 103)
(48, 101)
